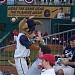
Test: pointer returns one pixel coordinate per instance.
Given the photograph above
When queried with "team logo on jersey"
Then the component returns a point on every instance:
(2, 1)
(29, 1)
(47, 13)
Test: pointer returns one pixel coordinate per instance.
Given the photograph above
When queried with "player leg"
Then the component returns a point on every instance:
(21, 66)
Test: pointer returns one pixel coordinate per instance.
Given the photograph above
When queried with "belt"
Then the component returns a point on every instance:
(20, 57)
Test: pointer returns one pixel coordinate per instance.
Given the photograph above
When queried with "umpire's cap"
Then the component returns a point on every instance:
(45, 49)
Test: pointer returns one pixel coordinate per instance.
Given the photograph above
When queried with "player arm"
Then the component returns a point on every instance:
(24, 41)
(28, 44)
(71, 63)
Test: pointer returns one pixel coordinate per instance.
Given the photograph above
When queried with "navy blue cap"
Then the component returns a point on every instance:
(60, 8)
(31, 24)
(72, 38)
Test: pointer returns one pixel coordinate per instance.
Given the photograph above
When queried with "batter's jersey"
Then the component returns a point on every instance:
(21, 51)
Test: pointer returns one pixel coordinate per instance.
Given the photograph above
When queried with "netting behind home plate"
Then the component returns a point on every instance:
(7, 52)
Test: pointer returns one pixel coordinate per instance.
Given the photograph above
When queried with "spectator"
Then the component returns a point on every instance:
(15, 35)
(52, 1)
(38, 2)
(36, 33)
(62, 40)
(55, 39)
(45, 34)
(69, 50)
(47, 40)
(44, 2)
(36, 67)
(61, 14)
(38, 36)
(6, 72)
(15, 32)
(67, 67)
(48, 61)
(48, 1)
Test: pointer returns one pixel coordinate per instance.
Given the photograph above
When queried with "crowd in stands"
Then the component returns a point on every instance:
(62, 67)
(67, 67)
(38, 2)
(55, 38)
(46, 63)
(49, 2)
(52, 67)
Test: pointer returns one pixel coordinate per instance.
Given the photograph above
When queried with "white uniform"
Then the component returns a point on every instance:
(61, 15)
(15, 38)
(48, 72)
(20, 55)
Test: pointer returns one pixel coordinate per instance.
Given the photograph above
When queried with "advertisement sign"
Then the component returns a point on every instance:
(38, 11)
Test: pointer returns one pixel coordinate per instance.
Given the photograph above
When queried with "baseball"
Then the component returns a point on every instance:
(13, 19)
